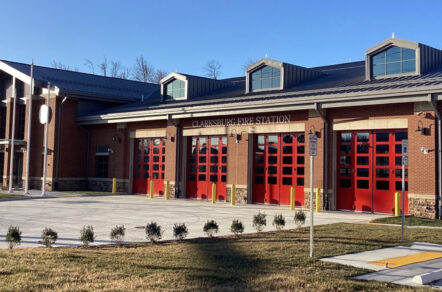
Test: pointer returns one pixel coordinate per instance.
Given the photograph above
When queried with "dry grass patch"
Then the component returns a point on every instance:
(264, 261)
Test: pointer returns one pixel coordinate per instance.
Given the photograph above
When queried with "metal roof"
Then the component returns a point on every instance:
(90, 86)
(347, 79)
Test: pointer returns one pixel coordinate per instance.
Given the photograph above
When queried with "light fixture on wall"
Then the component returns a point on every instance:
(421, 128)
(237, 136)
(312, 131)
(170, 137)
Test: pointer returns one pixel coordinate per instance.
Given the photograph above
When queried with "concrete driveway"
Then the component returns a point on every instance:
(67, 215)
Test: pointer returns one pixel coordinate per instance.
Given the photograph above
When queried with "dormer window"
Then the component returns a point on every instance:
(266, 77)
(394, 60)
(175, 90)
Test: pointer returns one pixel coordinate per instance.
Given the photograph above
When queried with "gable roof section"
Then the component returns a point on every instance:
(195, 85)
(428, 57)
(84, 85)
(290, 74)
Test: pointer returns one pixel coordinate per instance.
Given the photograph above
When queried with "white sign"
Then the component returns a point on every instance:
(404, 152)
(44, 114)
(313, 145)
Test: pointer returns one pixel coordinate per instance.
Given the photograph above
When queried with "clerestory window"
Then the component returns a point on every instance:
(175, 90)
(266, 77)
(394, 60)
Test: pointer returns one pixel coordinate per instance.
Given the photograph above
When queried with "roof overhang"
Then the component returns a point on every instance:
(403, 95)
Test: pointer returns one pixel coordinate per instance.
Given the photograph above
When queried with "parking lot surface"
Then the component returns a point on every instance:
(67, 215)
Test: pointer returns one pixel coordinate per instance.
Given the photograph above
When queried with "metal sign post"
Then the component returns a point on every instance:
(44, 119)
(404, 162)
(313, 146)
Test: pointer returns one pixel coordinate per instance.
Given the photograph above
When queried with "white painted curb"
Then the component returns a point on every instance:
(426, 278)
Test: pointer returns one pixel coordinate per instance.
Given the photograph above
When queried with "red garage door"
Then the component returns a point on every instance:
(149, 164)
(278, 165)
(206, 165)
(369, 170)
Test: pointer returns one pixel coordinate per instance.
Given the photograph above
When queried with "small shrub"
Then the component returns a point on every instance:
(299, 218)
(259, 221)
(87, 235)
(237, 227)
(153, 232)
(13, 237)
(48, 237)
(117, 234)
(279, 222)
(210, 228)
(180, 231)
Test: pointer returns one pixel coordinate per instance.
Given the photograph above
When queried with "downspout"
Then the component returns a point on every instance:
(325, 204)
(59, 117)
(433, 104)
(177, 155)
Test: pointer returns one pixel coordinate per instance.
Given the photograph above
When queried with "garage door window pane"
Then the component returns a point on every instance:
(362, 137)
(345, 137)
(287, 181)
(381, 161)
(271, 180)
(382, 172)
(382, 185)
(362, 184)
(345, 183)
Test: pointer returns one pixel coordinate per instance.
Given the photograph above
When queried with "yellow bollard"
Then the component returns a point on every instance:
(151, 189)
(292, 198)
(167, 191)
(397, 209)
(317, 201)
(114, 185)
(213, 193)
(232, 195)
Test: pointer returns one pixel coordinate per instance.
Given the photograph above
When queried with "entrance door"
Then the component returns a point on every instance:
(149, 164)
(369, 170)
(206, 165)
(278, 166)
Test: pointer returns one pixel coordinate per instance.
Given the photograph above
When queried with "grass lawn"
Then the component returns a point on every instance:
(258, 262)
(10, 196)
(410, 221)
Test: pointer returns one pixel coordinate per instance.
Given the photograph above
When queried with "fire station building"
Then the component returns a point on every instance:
(250, 131)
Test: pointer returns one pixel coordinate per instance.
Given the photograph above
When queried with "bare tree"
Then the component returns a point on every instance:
(126, 73)
(115, 69)
(90, 64)
(60, 65)
(247, 63)
(159, 74)
(143, 71)
(213, 69)
(103, 66)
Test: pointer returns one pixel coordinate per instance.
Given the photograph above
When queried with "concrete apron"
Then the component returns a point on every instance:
(417, 265)
(67, 215)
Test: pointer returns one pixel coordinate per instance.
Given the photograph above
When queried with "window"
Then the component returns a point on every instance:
(101, 165)
(394, 60)
(266, 77)
(175, 89)
(21, 109)
(2, 122)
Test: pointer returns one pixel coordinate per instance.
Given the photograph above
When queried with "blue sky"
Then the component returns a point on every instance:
(183, 35)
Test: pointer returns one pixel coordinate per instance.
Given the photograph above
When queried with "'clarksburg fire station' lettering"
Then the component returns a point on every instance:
(247, 121)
